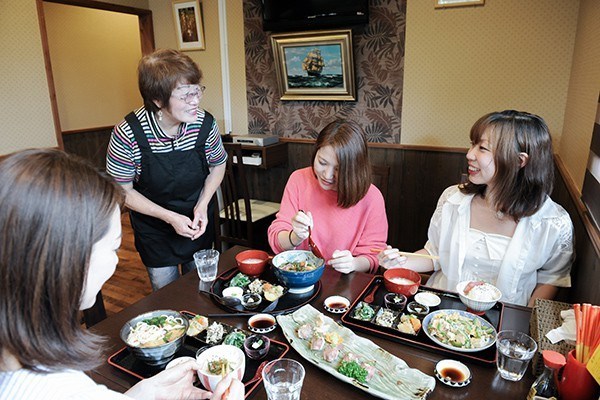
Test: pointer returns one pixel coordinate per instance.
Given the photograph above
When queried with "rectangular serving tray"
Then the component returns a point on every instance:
(449, 300)
(126, 362)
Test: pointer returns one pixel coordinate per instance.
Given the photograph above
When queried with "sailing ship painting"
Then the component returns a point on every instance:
(314, 66)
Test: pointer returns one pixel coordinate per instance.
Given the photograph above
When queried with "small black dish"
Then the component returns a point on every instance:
(418, 309)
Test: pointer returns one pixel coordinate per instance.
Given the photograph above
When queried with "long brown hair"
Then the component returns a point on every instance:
(159, 73)
(517, 191)
(354, 169)
(53, 208)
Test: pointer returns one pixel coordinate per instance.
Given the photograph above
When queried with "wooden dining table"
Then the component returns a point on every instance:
(183, 294)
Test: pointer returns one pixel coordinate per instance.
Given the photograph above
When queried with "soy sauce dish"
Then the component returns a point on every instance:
(453, 373)
(336, 304)
(262, 323)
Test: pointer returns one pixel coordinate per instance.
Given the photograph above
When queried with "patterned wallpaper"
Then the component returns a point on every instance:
(379, 68)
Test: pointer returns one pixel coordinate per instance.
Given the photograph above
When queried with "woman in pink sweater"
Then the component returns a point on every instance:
(336, 199)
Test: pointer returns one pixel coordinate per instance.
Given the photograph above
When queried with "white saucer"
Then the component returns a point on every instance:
(336, 300)
(455, 365)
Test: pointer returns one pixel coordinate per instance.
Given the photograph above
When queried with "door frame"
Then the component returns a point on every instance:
(146, 38)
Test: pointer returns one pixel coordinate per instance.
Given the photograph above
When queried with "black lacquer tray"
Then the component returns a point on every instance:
(285, 304)
(125, 360)
(449, 300)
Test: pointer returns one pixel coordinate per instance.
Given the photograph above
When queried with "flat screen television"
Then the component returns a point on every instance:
(294, 15)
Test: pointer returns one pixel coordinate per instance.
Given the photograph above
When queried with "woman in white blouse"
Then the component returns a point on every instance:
(501, 226)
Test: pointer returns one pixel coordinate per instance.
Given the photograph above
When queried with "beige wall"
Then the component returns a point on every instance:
(25, 114)
(209, 59)
(94, 56)
(584, 88)
(463, 62)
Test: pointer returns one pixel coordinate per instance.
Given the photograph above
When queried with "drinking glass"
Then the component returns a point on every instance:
(207, 262)
(515, 350)
(283, 379)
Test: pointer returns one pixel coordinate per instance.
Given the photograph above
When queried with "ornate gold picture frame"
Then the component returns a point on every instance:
(315, 65)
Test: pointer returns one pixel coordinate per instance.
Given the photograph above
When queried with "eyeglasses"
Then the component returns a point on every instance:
(189, 96)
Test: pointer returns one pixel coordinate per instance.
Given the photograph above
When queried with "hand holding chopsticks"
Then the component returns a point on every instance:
(407, 253)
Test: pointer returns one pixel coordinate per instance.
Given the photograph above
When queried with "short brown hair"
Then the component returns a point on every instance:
(159, 73)
(53, 208)
(354, 168)
(518, 191)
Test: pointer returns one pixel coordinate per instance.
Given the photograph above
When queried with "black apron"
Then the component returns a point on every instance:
(174, 181)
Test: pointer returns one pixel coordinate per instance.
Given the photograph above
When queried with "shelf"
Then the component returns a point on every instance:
(271, 155)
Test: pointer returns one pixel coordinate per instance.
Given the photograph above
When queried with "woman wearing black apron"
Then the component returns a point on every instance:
(169, 158)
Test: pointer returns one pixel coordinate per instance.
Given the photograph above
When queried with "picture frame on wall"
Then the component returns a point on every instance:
(188, 25)
(316, 65)
(457, 3)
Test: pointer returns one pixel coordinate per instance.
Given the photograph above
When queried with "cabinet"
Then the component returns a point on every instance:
(270, 156)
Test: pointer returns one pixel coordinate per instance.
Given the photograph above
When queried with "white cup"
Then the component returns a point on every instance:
(207, 262)
(283, 379)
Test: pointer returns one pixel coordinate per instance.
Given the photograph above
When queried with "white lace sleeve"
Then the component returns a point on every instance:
(557, 269)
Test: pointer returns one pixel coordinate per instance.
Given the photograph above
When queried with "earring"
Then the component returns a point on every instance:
(160, 115)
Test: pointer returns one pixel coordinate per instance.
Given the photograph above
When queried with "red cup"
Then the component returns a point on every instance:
(252, 262)
(576, 383)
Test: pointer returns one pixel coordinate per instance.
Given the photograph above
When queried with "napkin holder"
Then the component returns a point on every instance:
(544, 318)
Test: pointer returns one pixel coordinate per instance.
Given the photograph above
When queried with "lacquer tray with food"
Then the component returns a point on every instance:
(428, 330)
(268, 287)
(204, 333)
(352, 358)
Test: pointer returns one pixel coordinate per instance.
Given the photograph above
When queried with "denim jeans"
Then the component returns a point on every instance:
(162, 276)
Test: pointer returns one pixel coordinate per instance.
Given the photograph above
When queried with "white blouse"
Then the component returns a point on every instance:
(484, 256)
(540, 251)
(67, 385)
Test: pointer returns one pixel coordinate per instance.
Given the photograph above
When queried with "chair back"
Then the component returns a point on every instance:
(380, 174)
(234, 215)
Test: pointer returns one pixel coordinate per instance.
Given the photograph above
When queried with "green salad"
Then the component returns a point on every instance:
(235, 338)
(352, 369)
(240, 280)
(458, 330)
(364, 312)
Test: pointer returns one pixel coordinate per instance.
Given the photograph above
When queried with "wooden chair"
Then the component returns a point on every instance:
(96, 313)
(240, 219)
(381, 175)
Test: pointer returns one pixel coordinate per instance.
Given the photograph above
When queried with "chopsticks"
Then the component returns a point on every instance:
(406, 253)
(587, 318)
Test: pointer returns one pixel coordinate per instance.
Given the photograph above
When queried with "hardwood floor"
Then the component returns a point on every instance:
(130, 282)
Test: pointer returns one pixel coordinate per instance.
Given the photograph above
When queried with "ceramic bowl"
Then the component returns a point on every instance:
(417, 309)
(453, 373)
(336, 304)
(233, 291)
(402, 281)
(479, 306)
(298, 282)
(257, 346)
(429, 299)
(394, 301)
(262, 323)
(252, 262)
(251, 300)
(234, 356)
(155, 355)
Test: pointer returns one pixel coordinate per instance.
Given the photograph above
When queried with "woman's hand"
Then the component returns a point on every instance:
(391, 258)
(343, 261)
(182, 225)
(200, 222)
(175, 383)
(229, 389)
(300, 224)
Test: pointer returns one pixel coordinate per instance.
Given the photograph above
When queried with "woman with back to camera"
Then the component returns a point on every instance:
(501, 226)
(169, 158)
(61, 228)
(335, 198)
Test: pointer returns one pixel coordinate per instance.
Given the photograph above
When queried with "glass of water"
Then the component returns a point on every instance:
(207, 262)
(514, 351)
(283, 379)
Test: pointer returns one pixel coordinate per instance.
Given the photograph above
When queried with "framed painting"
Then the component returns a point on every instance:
(188, 25)
(316, 65)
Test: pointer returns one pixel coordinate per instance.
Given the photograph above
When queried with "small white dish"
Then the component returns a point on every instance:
(429, 299)
(262, 323)
(178, 361)
(336, 304)
(453, 373)
(233, 291)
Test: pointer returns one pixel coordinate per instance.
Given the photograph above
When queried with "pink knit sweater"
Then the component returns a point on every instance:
(358, 228)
